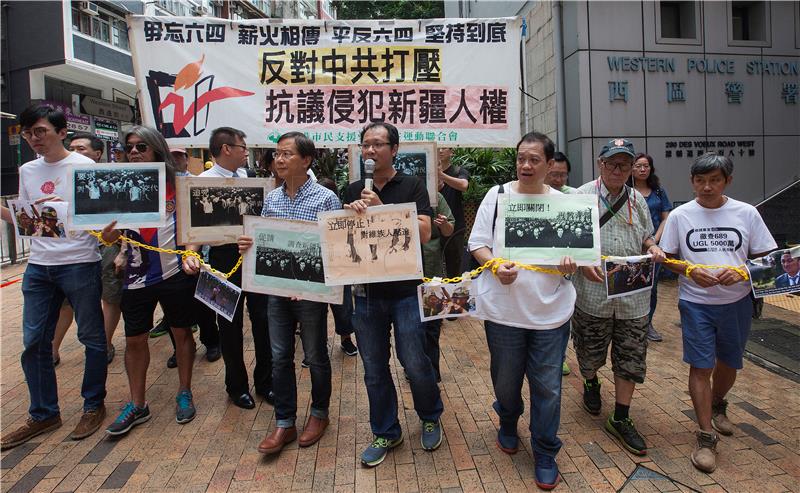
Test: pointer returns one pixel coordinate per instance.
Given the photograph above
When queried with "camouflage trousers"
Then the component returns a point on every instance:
(592, 335)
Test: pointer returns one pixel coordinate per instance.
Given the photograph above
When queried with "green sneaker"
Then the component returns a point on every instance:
(159, 330)
(626, 433)
(377, 450)
(565, 368)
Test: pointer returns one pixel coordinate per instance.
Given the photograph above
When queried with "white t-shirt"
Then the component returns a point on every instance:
(38, 179)
(534, 300)
(723, 236)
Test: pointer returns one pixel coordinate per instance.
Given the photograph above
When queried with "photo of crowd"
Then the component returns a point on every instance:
(38, 220)
(305, 264)
(626, 277)
(446, 300)
(116, 191)
(567, 229)
(224, 206)
(220, 295)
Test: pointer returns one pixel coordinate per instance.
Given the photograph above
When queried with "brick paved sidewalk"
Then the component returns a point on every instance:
(217, 451)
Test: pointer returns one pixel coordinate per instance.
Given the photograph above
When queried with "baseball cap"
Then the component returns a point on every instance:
(178, 149)
(118, 147)
(617, 146)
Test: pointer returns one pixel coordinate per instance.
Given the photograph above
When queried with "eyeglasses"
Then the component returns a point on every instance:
(141, 147)
(237, 145)
(38, 132)
(622, 167)
(284, 155)
(377, 146)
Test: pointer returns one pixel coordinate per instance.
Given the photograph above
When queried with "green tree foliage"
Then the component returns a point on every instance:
(487, 167)
(389, 9)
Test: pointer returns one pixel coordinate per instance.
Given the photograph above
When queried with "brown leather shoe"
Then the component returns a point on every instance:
(277, 439)
(315, 428)
(29, 430)
(89, 423)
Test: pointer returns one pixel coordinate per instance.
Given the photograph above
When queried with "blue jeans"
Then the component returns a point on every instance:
(312, 317)
(654, 292)
(43, 290)
(343, 314)
(538, 354)
(373, 319)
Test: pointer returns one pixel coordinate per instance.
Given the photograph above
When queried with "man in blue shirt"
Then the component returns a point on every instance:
(298, 198)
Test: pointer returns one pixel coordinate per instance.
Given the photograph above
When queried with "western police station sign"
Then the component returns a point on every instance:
(452, 81)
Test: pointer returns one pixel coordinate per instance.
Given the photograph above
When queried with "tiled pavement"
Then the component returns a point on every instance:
(217, 451)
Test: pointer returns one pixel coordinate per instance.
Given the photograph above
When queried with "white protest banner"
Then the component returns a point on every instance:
(452, 81)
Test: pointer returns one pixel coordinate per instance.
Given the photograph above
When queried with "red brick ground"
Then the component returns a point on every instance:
(217, 451)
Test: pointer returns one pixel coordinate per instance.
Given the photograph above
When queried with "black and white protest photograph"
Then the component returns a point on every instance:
(305, 264)
(628, 275)
(218, 294)
(111, 190)
(211, 210)
(222, 206)
(418, 159)
(133, 194)
(567, 229)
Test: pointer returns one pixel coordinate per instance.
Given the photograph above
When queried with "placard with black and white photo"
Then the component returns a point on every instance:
(419, 159)
(628, 275)
(133, 194)
(541, 229)
(286, 260)
(217, 293)
(211, 210)
(44, 220)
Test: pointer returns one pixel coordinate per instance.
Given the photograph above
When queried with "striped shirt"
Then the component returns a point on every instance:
(311, 198)
(619, 238)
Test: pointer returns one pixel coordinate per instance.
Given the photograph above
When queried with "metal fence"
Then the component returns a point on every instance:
(12, 248)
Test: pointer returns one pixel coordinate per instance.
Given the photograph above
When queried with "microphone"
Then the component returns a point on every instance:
(369, 169)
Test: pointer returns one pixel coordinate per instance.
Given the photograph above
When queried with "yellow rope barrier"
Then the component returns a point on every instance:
(182, 253)
(492, 264)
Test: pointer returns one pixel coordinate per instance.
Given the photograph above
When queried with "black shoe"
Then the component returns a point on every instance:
(268, 396)
(304, 363)
(348, 347)
(591, 397)
(213, 353)
(245, 401)
(653, 334)
(172, 362)
(160, 329)
(626, 433)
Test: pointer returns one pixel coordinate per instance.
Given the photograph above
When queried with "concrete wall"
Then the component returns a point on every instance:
(540, 71)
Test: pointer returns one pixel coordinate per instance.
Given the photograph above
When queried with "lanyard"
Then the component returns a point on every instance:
(610, 208)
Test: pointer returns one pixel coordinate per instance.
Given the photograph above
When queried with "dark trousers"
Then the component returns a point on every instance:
(223, 258)
(454, 254)
(433, 329)
(343, 314)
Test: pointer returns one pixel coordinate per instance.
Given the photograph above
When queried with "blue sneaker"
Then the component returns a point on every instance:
(431, 434)
(184, 410)
(128, 418)
(377, 450)
(546, 470)
(507, 442)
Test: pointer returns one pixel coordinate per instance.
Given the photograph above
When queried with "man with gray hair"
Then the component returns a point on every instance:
(714, 304)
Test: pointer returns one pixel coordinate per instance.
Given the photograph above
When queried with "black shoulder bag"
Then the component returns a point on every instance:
(616, 207)
(473, 264)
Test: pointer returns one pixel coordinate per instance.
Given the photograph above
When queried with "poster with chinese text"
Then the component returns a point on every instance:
(380, 245)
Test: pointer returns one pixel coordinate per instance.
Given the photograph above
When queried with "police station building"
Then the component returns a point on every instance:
(678, 78)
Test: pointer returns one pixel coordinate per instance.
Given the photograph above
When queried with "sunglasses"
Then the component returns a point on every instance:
(140, 146)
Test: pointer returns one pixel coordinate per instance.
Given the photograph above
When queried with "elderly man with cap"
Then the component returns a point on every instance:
(181, 159)
(625, 230)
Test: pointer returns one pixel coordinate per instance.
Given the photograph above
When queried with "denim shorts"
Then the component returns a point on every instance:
(176, 296)
(712, 332)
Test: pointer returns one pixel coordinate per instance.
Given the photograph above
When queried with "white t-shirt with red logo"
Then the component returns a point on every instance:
(38, 179)
(726, 235)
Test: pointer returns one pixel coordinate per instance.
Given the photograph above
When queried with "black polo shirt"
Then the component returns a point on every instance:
(454, 197)
(400, 189)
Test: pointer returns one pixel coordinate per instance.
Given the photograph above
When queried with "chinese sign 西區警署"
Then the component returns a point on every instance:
(326, 78)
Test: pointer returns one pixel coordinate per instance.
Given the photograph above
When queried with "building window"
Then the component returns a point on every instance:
(749, 23)
(104, 26)
(678, 22)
